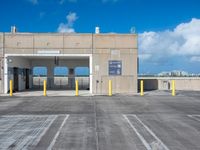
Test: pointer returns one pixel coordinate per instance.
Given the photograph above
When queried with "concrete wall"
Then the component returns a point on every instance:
(115, 47)
(192, 84)
(30, 43)
(65, 62)
(126, 83)
(165, 83)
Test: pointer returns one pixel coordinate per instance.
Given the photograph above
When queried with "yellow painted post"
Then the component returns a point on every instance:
(45, 88)
(142, 88)
(76, 87)
(173, 88)
(11, 88)
(110, 88)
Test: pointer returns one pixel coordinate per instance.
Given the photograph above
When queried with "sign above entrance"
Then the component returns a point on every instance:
(115, 67)
(48, 52)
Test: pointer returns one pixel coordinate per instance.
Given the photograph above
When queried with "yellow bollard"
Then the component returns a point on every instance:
(45, 88)
(110, 88)
(142, 88)
(11, 88)
(76, 87)
(173, 88)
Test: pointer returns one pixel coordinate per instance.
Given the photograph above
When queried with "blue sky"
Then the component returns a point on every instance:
(169, 30)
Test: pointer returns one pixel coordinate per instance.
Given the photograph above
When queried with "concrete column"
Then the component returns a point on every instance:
(50, 76)
(71, 78)
(6, 75)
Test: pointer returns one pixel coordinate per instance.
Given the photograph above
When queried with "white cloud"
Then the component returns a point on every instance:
(132, 30)
(195, 59)
(184, 40)
(71, 18)
(34, 2)
(64, 28)
(68, 27)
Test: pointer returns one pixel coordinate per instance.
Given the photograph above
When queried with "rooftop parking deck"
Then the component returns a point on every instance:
(154, 121)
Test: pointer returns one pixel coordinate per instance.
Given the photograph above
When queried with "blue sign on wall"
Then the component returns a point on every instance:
(115, 67)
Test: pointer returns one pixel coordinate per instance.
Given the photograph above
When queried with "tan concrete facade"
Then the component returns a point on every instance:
(98, 48)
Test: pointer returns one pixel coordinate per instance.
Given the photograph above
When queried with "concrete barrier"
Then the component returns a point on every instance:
(165, 83)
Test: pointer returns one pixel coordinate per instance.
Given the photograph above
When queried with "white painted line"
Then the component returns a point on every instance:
(27, 116)
(146, 144)
(151, 132)
(148, 147)
(23, 130)
(45, 130)
(195, 117)
(57, 134)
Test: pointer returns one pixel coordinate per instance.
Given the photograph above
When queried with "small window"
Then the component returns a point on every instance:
(61, 71)
(82, 71)
(40, 71)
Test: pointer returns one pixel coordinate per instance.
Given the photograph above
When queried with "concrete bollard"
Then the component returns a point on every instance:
(173, 88)
(45, 87)
(11, 88)
(76, 87)
(141, 88)
(110, 88)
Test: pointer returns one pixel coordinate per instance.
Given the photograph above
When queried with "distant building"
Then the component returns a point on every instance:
(174, 73)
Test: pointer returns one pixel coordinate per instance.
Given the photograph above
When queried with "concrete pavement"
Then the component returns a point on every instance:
(152, 122)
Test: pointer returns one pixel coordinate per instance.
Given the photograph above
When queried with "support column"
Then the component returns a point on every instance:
(91, 73)
(5, 75)
(50, 76)
(71, 78)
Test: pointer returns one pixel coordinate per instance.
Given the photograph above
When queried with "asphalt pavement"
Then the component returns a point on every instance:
(152, 122)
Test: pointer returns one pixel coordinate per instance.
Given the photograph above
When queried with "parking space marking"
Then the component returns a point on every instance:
(138, 134)
(58, 133)
(145, 134)
(24, 131)
(195, 117)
